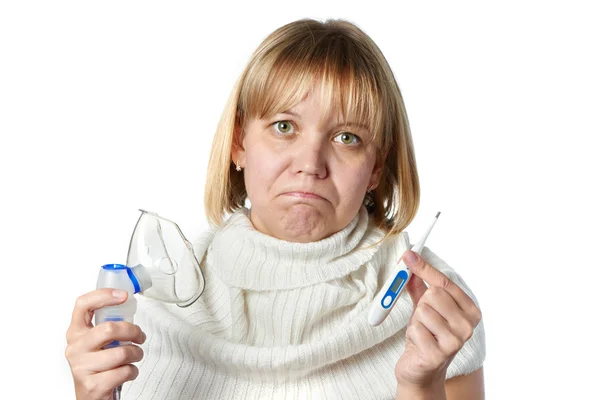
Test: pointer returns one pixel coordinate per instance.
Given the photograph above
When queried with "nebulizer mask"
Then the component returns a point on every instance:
(161, 248)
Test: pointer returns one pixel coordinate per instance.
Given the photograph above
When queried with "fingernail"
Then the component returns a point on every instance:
(411, 258)
(119, 294)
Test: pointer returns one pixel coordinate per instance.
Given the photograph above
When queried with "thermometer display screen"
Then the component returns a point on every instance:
(396, 285)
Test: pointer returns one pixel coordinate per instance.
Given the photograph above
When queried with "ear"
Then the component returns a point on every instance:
(378, 169)
(238, 152)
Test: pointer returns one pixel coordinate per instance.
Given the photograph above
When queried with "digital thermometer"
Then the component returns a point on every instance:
(387, 296)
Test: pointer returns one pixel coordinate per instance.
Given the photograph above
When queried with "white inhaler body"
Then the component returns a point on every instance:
(132, 280)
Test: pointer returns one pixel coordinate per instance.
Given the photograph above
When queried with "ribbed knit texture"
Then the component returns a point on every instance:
(285, 320)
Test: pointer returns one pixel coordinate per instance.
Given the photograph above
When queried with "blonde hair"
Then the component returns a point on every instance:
(354, 77)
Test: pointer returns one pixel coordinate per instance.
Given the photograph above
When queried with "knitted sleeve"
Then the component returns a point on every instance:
(470, 358)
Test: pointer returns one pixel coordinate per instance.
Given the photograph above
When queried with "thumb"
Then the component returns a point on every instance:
(416, 288)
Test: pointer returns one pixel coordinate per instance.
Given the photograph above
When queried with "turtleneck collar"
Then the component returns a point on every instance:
(246, 258)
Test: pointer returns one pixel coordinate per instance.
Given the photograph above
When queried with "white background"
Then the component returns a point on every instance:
(107, 107)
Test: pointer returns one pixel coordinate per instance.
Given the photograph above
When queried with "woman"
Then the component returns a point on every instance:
(315, 136)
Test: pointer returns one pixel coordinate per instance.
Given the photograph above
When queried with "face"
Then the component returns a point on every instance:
(305, 180)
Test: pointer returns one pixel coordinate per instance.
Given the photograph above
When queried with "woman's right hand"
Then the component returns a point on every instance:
(96, 372)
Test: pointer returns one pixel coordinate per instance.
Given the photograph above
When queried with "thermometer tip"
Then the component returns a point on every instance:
(438, 214)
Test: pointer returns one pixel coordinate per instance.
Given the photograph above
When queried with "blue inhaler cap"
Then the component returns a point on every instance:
(144, 282)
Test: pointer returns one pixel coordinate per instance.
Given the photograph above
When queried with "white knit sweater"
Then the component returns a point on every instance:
(285, 320)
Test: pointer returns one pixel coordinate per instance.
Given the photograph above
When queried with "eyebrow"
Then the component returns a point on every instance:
(349, 123)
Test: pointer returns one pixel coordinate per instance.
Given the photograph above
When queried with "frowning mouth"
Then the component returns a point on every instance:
(304, 195)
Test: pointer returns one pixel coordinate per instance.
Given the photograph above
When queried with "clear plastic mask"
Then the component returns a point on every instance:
(159, 245)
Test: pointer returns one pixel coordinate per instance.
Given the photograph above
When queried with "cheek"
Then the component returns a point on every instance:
(352, 177)
(262, 168)
(352, 181)
(349, 183)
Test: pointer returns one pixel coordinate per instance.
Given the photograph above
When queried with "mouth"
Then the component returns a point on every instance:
(304, 195)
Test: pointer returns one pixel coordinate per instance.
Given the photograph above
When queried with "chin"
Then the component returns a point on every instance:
(303, 223)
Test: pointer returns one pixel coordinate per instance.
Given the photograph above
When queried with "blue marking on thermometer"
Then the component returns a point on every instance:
(394, 289)
(387, 296)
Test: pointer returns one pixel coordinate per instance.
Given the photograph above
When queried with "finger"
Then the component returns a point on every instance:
(416, 289)
(459, 321)
(434, 277)
(102, 384)
(448, 342)
(423, 339)
(108, 359)
(432, 320)
(108, 332)
(89, 302)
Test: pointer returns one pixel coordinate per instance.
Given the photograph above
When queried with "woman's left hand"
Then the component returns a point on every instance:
(443, 320)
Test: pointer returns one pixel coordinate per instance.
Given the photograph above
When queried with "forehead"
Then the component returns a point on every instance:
(312, 108)
(327, 103)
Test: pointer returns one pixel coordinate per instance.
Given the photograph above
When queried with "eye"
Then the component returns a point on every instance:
(347, 138)
(284, 127)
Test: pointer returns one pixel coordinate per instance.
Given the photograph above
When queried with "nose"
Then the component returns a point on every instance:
(310, 158)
